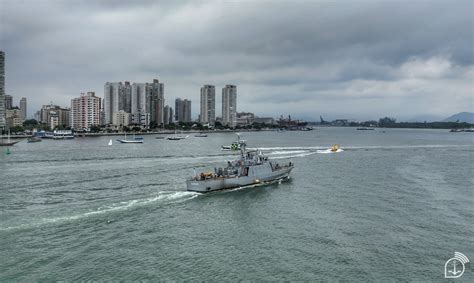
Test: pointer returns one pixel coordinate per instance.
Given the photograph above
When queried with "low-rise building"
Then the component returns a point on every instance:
(121, 118)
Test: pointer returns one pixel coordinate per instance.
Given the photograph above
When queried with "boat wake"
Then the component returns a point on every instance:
(163, 197)
(326, 151)
(292, 149)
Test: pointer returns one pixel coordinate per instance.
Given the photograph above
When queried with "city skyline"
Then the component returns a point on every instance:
(327, 59)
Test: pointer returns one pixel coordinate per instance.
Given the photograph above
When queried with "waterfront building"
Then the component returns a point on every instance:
(54, 115)
(2, 91)
(208, 105)
(13, 118)
(229, 105)
(121, 118)
(245, 118)
(183, 110)
(23, 111)
(8, 102)
(117, 96)
(156, 101)
(178, 110)
(139, 99)
(85, 111)
(144, 101)
(168, 115)
(140, 118)
(111, 100)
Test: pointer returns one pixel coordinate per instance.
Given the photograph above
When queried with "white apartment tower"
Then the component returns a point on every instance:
(111, 100)
(229, 105)
(85, 111)
(208, 104)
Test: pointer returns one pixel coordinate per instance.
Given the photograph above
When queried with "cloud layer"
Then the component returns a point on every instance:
(340, 60)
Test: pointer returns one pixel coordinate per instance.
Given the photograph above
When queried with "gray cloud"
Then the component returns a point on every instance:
(347, 59)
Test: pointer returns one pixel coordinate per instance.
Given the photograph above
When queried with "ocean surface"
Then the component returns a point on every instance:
(394, 205)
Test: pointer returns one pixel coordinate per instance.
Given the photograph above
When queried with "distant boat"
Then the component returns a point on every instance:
(110, 142)
(461, 130)
(63, 134)
(176, 138)
(201, 135)
(234, 146)
(33, 139)
(134, 140)
(365, 129)
(160, 138)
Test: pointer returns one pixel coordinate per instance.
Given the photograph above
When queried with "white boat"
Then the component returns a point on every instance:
(176, 138)
(134, 140)
(110, 142)
(63, 135)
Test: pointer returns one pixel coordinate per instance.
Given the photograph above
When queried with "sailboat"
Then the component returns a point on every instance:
(8, 143)
(134, 140)
(176, 138)
(110, 142)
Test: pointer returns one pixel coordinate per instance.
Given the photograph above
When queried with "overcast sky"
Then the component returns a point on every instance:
(339, 59)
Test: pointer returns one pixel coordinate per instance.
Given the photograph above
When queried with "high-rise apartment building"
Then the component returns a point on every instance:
(85, 111)
(111, 100)
(168, 115)
(144, 101)
(8, 102)
(139, 98)
(2, 91)
(208, 104)
(187, 111)
(183, 110)
(117, 96)
(156, 101)
(23, 111)
(178, 110)
(229, 105)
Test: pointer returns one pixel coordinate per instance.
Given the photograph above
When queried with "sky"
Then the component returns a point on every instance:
(339, 59)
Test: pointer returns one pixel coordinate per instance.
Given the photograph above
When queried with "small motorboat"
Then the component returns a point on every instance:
(33, 139)
(234, 146)
(333, 149)
(177, 138)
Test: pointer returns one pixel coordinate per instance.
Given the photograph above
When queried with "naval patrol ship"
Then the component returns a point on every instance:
(251, 168)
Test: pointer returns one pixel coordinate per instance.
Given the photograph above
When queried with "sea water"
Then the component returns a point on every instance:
(395, 204)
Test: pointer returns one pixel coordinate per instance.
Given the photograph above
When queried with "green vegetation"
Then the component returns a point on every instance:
(388, 122)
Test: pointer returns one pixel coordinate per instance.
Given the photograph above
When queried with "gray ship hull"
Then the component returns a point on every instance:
(259, 175)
